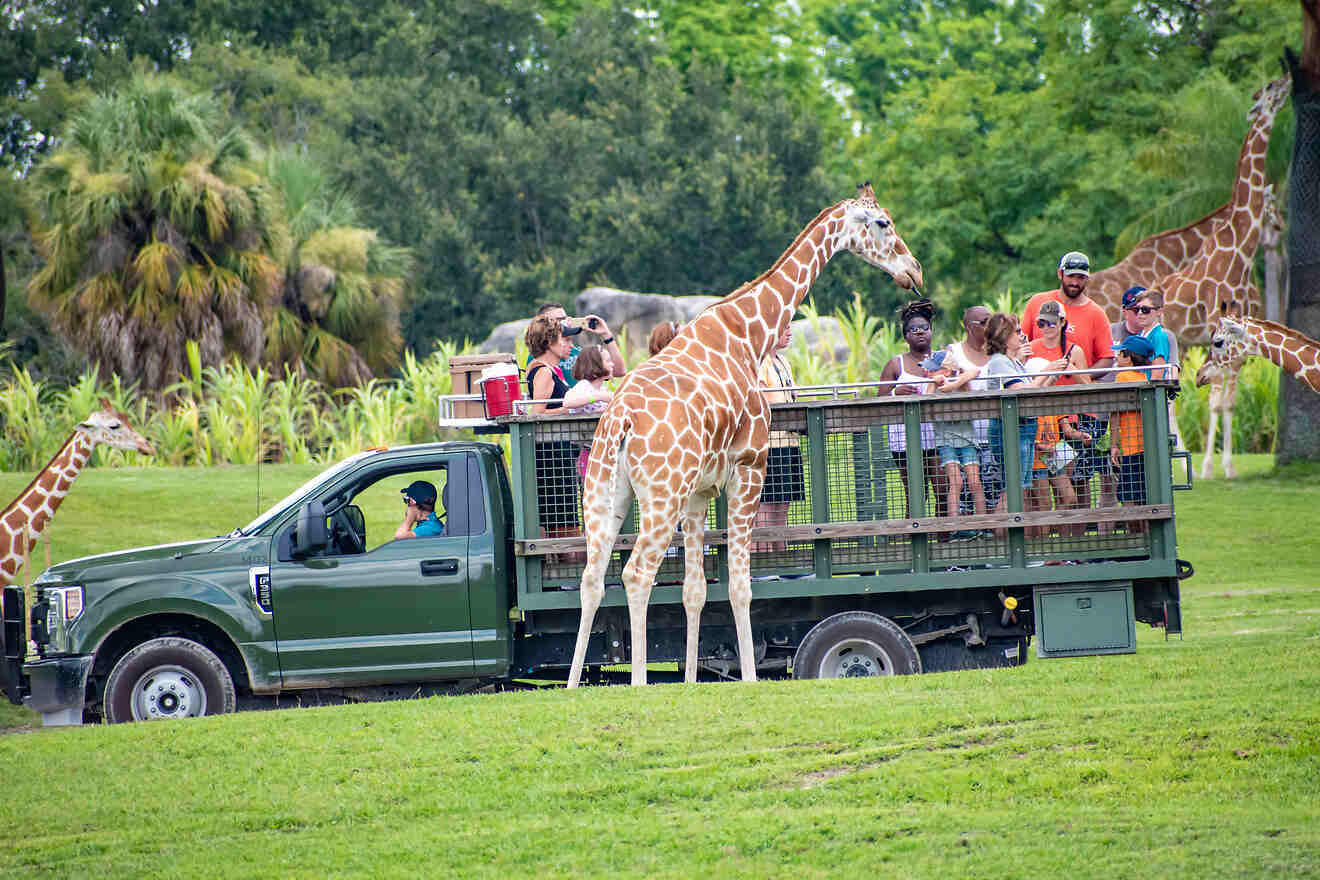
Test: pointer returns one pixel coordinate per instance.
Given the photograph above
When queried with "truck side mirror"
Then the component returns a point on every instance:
(310, 535)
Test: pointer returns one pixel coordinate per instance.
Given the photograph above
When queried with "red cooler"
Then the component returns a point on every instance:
(498, 394)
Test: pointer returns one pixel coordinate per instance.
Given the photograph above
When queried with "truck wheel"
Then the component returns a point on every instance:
(168, 678)
(855, 643)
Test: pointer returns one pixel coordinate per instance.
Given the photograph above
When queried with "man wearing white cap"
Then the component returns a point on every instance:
(1088, 325)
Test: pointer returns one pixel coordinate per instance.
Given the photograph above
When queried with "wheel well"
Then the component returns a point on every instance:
(143, 629)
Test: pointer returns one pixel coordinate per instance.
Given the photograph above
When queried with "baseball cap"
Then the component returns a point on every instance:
(935, 361)
(420, 491)
(1053, 310)
(1131, 295)
(1138, 345)
(1075, 263)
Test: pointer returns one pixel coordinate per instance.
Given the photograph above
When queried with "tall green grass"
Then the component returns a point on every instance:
(231, 415)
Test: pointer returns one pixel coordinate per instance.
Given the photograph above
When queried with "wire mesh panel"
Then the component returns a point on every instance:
(896, 484)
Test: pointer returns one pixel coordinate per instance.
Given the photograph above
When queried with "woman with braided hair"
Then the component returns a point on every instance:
(905, 371)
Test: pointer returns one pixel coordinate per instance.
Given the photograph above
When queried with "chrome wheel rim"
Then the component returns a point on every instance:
(167, 692)
(854, 658)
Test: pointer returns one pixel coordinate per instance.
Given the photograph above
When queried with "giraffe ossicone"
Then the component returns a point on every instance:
(25, 520)
(691, 422)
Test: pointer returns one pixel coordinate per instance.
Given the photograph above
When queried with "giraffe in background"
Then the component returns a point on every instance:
(691, 421)
(26, 517)
(1238, 337)
(1222, 271)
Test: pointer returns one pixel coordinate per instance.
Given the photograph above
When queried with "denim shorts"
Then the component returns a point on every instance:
(1026, 446)
(963, 455)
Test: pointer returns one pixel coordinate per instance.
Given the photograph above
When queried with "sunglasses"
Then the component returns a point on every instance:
(980, 323)
(1141, 310)
(1041, 322)
(408, 502)
(1076, 267)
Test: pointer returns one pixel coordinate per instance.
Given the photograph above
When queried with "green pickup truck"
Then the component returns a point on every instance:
(869, 574)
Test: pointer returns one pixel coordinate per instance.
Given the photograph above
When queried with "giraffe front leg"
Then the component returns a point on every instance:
(694, 576)
(1229, 473)
(603, 519)
(744, 495)
(655, 531)
(1208, 460)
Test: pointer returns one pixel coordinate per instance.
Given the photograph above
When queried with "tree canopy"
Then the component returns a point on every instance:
(522, 151)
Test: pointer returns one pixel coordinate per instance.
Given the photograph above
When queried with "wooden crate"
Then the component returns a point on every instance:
(465, 371)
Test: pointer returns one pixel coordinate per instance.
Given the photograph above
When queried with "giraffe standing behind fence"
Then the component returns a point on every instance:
(691, 421)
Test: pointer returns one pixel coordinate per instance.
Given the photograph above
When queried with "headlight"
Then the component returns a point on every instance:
(66, 604)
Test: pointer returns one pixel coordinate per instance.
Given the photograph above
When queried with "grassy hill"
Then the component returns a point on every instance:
(1198, 756)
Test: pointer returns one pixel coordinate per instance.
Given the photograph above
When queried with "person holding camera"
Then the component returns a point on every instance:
(571, 327)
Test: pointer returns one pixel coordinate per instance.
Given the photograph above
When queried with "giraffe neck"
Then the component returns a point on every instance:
(1295, 353)
(35, 505)
(1248, 203)
(768, 303)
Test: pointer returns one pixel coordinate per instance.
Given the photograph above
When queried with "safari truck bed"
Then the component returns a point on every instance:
(314, 599)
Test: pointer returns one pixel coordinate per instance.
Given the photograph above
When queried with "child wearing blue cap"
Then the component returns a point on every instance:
(1127, 450)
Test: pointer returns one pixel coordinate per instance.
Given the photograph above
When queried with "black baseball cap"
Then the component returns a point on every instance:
(420, 491)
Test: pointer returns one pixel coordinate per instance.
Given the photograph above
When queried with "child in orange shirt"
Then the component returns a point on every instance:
(1127, 450)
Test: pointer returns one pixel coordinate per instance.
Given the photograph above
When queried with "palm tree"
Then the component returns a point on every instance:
(337, 317)
(156, 228)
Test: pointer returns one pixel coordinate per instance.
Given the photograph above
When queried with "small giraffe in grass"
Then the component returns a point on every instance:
(30, 513)
(691, 420)
(1238, 337)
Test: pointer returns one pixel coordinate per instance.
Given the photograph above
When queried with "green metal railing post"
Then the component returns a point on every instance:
(820, 489)
(916, 483)
(1013, 464)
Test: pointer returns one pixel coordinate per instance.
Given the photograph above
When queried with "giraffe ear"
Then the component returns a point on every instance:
(106, 405)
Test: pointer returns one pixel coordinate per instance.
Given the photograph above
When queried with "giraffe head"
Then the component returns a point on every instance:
(109, 426)
(869, 233)
(1228, 345)
(1269, 98)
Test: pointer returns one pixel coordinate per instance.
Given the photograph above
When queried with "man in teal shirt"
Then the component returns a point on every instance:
(419, 519)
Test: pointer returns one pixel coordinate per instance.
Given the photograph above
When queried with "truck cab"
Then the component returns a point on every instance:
(314, 593)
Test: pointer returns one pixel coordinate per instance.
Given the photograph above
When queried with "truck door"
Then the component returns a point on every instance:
(371, 609)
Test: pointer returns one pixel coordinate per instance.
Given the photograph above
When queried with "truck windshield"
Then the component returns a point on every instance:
(297, 495)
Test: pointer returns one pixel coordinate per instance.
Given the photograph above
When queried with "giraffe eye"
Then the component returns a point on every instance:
(114, 426)
(882, 223)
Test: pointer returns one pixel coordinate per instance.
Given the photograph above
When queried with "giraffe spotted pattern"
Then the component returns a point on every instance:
(691, 422)
(25, 520)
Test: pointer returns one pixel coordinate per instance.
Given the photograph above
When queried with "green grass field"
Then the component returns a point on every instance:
(1198, 756)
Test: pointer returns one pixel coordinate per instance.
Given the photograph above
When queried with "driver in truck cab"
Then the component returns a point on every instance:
(419, 519)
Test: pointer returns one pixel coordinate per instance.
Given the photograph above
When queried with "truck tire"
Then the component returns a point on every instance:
(855, 643)
(168, 678)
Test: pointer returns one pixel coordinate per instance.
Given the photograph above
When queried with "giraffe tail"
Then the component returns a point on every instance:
(605, 451)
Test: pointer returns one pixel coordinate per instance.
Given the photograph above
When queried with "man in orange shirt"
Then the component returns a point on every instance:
(1088, 325)
(1088, 328)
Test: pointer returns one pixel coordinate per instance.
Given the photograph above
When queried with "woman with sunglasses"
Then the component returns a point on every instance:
(1051, 343)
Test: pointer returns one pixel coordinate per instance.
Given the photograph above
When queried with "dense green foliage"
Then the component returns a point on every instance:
(228, 414)
(522, 151)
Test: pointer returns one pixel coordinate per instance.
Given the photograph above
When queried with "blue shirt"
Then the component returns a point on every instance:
(1158, 337)
(431, 527)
